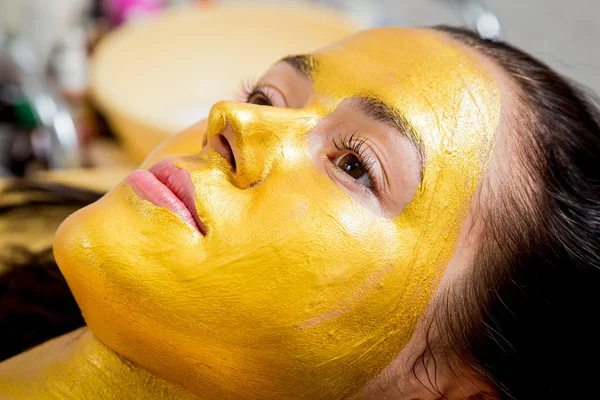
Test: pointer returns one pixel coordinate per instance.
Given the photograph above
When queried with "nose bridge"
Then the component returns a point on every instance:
(260, 135)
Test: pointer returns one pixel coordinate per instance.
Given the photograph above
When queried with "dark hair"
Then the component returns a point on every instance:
(524, 320)
(35, 301)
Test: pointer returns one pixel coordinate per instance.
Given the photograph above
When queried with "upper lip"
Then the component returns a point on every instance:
(179, 182)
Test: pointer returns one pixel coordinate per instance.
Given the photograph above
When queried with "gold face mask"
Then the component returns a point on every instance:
(297, 290)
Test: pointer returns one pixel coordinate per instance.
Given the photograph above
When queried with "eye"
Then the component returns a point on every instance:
(356, 160)
(353, 166)
(259, 98)
(262, 94)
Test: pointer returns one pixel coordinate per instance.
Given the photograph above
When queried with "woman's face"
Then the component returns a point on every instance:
(312, 228)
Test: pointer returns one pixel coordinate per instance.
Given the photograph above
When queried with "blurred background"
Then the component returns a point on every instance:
(97, 84)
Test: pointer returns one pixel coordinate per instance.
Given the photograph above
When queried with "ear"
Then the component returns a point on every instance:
(429, 379)
(461, 386)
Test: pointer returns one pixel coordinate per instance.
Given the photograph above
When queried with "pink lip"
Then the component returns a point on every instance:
(165, 185)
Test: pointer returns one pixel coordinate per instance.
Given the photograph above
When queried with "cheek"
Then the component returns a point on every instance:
(305, 281)
(296, 234)
(308, 242)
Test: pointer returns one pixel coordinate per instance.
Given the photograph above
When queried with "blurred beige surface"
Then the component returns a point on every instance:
(35, 231)
(95, 179)
(156, 77)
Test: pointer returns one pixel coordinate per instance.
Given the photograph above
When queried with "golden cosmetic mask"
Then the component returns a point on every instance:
(297, 290)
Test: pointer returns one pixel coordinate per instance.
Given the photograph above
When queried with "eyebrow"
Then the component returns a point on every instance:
(371, 106)
(379, 111)
(305, 64)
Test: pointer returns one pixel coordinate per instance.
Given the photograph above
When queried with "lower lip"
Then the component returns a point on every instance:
(149, 187)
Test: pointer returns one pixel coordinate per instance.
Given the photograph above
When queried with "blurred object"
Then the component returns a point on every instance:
(70, 62)
(38, 128)
(120, 11)
(55, 138)
(156, 77)
(478, 18)
(37, 25)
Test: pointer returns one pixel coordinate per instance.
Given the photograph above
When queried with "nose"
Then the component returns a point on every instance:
(253, 138)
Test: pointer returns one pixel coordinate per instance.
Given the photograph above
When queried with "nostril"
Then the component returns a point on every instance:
(222, 146)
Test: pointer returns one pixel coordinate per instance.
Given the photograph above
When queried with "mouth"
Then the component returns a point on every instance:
(165, 185)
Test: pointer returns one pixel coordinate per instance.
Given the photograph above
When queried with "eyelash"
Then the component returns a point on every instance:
(349, 142)
(356, 144)
(250, 88)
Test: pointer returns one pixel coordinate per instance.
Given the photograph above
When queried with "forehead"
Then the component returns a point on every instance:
(400, 52)
(440, 87)
(401, 66)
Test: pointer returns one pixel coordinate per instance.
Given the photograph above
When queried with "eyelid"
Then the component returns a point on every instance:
(284, 103)
(271, 92)
(358, 145)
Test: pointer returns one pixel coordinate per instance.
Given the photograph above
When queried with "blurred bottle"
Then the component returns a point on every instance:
(43, 34)
(36, 26)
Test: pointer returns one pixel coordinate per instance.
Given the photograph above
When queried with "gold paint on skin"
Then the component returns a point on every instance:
(77, 366)
(297, 291)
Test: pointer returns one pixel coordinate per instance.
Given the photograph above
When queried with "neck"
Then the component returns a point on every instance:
(78, 366)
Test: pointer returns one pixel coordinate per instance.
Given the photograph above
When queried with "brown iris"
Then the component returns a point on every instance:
(351, 165)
